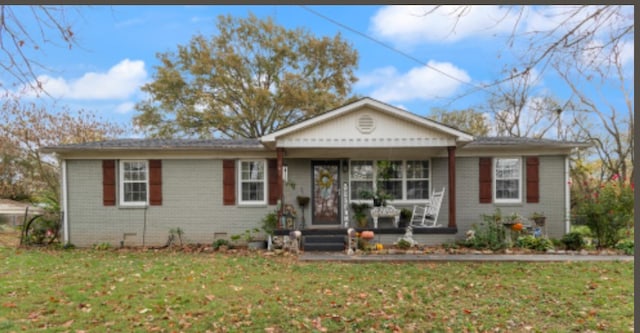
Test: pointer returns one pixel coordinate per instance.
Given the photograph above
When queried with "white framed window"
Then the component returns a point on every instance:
(418, 180)
(361, 178)
(393, 184)
(134, 182)
(252, 182)
(407, 180)
(507, 180)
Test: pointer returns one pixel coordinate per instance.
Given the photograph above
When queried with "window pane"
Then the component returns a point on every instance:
(253, 191)
(358, 186)
(135, 171)
(252, 170)
(134, 185)
(418, 189)
(390, 169)
(393, 187)
(361, 170)
(417, 169)
(507, 189)
(508, 175)
(135, 192)
(507, 168)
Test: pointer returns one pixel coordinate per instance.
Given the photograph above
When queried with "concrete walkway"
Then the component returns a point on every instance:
(362, 258)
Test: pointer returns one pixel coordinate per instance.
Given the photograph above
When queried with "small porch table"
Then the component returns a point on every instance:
(385, 211)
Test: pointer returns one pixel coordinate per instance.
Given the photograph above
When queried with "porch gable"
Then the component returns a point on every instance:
(366, 123)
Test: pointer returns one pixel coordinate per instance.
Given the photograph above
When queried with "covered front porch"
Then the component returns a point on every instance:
(351, 154)
(317, 193)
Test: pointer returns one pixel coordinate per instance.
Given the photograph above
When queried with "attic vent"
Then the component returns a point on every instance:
(366, 124)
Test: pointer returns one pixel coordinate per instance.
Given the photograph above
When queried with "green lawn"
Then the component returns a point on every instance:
(128, 291)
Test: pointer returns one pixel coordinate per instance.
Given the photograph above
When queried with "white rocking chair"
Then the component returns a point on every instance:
(427, 216)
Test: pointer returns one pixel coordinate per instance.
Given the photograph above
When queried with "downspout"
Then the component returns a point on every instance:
(567, 196)
(65, 204)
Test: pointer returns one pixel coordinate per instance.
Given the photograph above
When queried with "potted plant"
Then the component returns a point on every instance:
(302, 200)
(405, 216)
(253, 238)
(539, 218)
(380, 197)
(359, 213)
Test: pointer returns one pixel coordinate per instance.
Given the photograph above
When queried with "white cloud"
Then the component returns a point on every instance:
(124, 108)
(408, 25)
(626, 53)
(120, 82)
(419, 83)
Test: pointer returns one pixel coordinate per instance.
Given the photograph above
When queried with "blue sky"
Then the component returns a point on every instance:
(117, 46)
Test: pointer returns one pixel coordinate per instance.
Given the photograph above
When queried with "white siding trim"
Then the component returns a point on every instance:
(65, 205)
(567, 196)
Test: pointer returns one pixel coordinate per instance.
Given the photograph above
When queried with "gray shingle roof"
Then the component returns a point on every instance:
(161, 144)
(514, 141)
(253, 144)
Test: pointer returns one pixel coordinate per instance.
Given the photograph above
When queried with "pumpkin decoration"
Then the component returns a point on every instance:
(516, 227)
(379, 247)
(366, 235)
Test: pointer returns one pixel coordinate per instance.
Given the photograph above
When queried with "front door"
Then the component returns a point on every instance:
(326, 193)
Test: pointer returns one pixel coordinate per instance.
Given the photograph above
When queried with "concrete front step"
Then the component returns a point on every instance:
(323, 243)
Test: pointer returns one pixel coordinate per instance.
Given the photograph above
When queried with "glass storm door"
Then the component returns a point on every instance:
(326, 193)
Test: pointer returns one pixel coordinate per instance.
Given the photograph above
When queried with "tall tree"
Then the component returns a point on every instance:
(25, 172)
(515, 109)
(596, 89)
(24, 31)
(568, 32)
(250, 79)
(467, 120)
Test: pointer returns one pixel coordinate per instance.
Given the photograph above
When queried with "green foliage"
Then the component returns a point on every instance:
(220, 242)
(468, 120)
(102, 246)
(626, 245)
(403, 244)
(405, 214)
(534, 243)
(489, 234)
(573, 241)
(608, 210)
(360, 213)
(250, 79)
(270, 223)
(175, 233)
(248, 235)
(41, 230)
(25, 128)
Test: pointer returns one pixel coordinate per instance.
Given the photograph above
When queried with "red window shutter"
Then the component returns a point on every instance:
(155, 182)
(533, 180)
(228, 182)
(109, 182)
(273, 182)
(485, 180)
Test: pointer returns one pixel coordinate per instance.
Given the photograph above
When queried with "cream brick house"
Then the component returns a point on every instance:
(133, 191)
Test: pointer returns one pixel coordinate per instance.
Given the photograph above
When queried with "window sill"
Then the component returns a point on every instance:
(252, 205)
(508, 203)
(133, 206)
